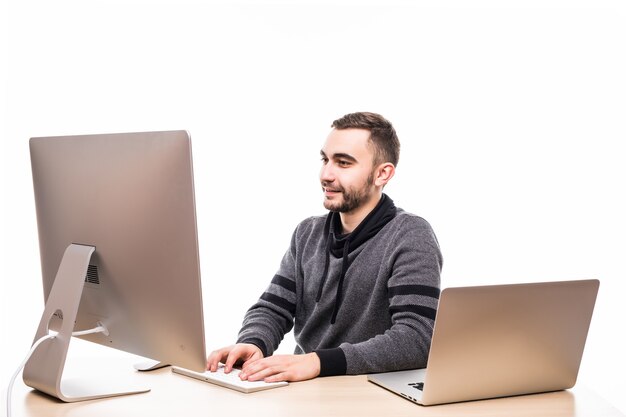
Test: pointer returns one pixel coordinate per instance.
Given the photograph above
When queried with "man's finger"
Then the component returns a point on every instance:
(279, 377)
(232, 358)
(214, 358)
(261, 372)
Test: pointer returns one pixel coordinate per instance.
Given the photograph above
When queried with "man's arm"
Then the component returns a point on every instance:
(271, 317)
(266, 322)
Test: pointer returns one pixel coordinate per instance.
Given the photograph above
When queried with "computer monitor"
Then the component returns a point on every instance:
(118, 245)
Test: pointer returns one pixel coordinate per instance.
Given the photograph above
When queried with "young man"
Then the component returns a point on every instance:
(360, 284)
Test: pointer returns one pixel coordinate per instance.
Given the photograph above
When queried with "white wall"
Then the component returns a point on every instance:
(510, 116)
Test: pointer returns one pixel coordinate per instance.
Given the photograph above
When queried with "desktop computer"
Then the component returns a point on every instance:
(119, 253)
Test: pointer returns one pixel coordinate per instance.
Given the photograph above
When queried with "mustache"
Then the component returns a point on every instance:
(327, 186)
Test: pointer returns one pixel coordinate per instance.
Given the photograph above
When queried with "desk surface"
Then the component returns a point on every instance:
(173, 394)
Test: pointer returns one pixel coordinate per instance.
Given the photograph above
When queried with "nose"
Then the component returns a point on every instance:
(327, 174)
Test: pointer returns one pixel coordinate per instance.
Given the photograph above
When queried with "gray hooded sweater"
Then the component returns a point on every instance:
(370, 311)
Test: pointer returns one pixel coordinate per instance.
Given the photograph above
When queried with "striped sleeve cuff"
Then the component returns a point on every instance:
(332, 362)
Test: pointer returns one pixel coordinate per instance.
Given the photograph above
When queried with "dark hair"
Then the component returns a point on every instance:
(382, 134)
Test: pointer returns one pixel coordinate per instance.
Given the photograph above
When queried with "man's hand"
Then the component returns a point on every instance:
(282, 368)
(229, 356)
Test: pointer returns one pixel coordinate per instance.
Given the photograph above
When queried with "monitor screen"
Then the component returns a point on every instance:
(130, 196)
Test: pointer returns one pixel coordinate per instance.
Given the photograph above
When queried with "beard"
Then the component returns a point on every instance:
(352, 198)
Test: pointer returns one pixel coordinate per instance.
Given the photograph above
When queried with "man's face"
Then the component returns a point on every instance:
(347, 175)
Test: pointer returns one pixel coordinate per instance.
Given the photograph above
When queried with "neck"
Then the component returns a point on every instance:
(351, 219)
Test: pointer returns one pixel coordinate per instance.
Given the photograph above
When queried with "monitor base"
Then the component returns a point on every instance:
(150, 365)
(44, 369)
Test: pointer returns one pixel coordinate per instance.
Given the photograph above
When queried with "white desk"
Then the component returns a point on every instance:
(177, 395)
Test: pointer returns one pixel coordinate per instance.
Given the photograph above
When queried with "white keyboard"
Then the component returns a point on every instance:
(230, 380)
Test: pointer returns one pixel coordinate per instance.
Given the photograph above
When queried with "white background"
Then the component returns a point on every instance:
(510, 116)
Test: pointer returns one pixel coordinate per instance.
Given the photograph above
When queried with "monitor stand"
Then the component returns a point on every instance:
(150, 365)
(44, 369)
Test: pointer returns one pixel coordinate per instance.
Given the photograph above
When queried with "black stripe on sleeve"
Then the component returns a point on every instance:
(429, 313)
(425, 290)
(279, 301)
(286, 283)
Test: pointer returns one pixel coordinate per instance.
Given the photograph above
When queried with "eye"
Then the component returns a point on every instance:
(343, 163)
(324, 160)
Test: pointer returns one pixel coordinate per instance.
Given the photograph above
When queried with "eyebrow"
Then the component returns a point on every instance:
(340, 156)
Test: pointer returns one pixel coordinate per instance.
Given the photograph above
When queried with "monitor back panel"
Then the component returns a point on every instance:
(131, 196)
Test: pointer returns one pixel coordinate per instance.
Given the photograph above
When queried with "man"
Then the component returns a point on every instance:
(360, 284)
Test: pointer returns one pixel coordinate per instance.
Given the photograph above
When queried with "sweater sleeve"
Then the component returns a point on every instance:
(272, 316)
(415, 263)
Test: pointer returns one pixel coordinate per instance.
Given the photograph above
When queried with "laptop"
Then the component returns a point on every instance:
(501, 340)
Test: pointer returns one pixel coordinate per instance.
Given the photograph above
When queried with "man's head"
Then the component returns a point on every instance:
(358, 159)
(382, 134)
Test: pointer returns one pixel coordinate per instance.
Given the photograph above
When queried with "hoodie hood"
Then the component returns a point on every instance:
(340, 246)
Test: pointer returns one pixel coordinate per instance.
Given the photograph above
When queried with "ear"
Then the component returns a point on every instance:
(383, 173)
